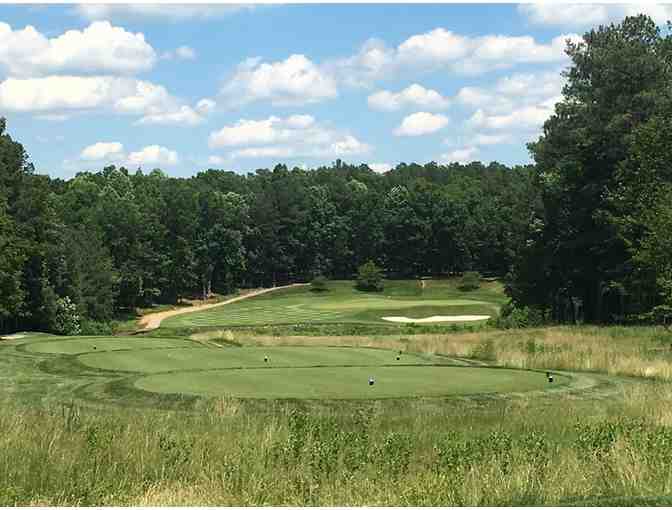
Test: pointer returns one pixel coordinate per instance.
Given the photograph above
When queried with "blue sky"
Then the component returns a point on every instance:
(190, 87)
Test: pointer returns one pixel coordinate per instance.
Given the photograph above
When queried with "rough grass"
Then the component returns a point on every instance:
(510, 453)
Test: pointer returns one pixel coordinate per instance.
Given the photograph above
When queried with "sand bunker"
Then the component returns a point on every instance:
(12, 337)
(439, 318)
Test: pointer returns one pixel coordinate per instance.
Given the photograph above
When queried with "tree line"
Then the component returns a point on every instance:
(584, 233)
(115, 239)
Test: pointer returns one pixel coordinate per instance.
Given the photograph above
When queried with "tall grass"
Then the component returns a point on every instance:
(625, 351)
(459, 454)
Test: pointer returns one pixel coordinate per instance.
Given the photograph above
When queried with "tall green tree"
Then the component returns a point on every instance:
(616, 75)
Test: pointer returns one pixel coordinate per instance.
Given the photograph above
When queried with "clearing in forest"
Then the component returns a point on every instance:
(342, 303)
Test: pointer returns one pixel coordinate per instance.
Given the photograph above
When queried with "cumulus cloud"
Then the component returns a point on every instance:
(526, 117)
(216, 160)
(441, 49)
(421, 123)
(100, 47)
(462, 155)
(380, 168)
(414, 95)
(158, 12)
(113, 152)
(153, 155)
(205, 106)
(294, 81)
(588, 15)
(184, 115)
(293, 136)
(520, 102)
(54, 95)
(185, 53)
(180, 53)
(497, 139)
(373, 61)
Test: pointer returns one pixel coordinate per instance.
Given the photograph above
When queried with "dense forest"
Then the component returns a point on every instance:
(583, 234)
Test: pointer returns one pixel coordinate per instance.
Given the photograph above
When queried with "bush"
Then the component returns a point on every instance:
(513, 317)
(95, 328)
(471, 280)
(319, 284)
(67, 317)
(370, 277)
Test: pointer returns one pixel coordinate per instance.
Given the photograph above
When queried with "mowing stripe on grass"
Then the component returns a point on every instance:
(347, 382)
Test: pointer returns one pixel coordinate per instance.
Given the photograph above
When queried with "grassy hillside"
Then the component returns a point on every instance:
(342, 303)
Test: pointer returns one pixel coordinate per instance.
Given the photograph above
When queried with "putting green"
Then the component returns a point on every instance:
(165, 360)
(347, 382)
(80, 345)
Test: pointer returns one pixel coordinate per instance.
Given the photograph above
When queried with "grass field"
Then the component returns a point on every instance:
(342, 303)
(462, 418)
(189, 367)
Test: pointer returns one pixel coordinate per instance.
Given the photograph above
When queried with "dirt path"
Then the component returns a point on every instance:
(153, 320)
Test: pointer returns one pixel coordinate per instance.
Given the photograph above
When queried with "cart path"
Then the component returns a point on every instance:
(153, 320)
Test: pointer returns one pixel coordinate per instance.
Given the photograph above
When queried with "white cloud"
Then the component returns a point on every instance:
(293, 81)
(246, 132)
(421, 123)
(441, 49)
(373, 61)
(185, 53)
(153, 155)
(498, 139)
(414, 95)
(205, 106)
(346, 146)
(437, 46)
(300, 121)
(185, 115)
(380, 168)
(112, 151)
(463, 155)
(264, 152)
(100, 47)
(526, 117)
(588, 15)
(216, 160)
(293, 136)
(53, 96)
(180, 53)
(158, 12)
(520, 102)
(517, 89)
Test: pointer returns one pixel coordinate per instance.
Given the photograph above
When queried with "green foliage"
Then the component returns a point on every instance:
(512, 317)
(370, 277)
(601, 158)
(67, 321)
(319, 284)
(471, 280)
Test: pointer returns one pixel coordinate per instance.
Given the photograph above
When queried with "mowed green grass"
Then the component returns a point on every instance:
(175, 366)
(342, 303)
(188, 358)
(347, 383)
(79, 345)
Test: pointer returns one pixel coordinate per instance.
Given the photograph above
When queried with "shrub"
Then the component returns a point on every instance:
(67, 317)
(319, 284)
(512, 317)
(92, 328)
(471, 280)
(370, 277)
